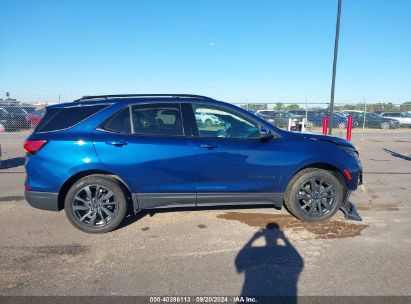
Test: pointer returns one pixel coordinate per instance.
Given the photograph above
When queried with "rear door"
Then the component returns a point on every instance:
(149, 147)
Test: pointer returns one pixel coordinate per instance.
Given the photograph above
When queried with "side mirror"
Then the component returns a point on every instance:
(265, 134)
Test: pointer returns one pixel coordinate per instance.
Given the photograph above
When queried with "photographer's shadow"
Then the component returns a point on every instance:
(271, 270)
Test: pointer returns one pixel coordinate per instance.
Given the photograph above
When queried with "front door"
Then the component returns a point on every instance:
(234, 166)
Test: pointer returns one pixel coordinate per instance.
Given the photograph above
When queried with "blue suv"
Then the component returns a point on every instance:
(102, 157)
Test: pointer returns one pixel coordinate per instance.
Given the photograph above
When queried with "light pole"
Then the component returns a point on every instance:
(337, 34)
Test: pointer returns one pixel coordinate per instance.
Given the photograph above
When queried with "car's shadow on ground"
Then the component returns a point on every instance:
(132, 217)
(12, 162)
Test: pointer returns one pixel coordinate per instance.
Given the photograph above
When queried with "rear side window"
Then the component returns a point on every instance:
(62, 118)
(162, 119)
(157, 119)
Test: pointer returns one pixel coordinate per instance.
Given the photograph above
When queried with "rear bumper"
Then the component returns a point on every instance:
(42, 200)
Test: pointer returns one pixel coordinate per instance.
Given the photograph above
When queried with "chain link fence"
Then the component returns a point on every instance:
(370, 119)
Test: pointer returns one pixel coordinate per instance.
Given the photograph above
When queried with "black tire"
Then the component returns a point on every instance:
(299, 202)
(109, 208)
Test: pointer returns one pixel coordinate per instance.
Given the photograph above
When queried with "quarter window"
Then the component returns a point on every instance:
(120, 122)
(221, 122)
(62, 118)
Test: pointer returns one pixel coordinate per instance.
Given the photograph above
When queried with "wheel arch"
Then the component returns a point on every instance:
(326, 166)
(69, 182)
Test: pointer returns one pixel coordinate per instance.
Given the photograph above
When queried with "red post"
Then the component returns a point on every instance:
(325, 125)
(349, 127)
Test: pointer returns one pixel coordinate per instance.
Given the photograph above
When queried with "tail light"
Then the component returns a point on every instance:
(32, 146)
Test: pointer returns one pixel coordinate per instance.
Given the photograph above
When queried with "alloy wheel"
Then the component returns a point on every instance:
(94, 206)
(316, 197)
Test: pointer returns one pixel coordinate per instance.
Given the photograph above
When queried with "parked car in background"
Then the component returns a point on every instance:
(101, 157)
(252, 111)
(19, 115)
(8, 121)
(280, 118)
(315, 118)
(207, 119)
(35, 117)
(28, 109)
(403, 118)
(373, 120)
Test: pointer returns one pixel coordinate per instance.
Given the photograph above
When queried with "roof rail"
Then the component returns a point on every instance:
(89, 98)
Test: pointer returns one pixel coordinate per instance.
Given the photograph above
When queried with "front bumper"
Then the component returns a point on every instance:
(42, 200)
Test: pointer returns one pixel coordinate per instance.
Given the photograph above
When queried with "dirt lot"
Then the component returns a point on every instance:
(216, 252)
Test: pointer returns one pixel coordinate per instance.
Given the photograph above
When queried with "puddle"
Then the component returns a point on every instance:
(11, 198)
(331, 229)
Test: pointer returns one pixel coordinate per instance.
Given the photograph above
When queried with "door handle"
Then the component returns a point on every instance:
(209, 146)
(117, 143)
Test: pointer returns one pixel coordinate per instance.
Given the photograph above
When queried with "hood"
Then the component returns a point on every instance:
(321, 137)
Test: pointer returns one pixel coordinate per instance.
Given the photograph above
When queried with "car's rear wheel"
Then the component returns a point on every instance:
(314, 195)
(96, 204)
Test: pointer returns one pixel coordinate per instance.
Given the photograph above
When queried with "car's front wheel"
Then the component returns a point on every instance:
(96, 204)
(342, 125)
(314, 195)
(385, 125)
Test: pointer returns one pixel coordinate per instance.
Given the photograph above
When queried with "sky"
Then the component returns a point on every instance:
(232, 50)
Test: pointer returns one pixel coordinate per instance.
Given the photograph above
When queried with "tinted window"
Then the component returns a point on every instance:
(120, 122)
(157, 119)
(222, 122)
(63, 118)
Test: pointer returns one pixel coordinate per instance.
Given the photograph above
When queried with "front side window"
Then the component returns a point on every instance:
(158, 119)
(215, 121)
